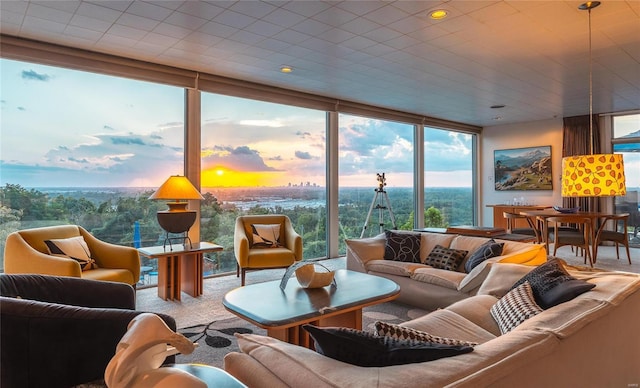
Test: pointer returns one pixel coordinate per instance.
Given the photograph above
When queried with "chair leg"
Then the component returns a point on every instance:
(628, 254)
(617, 250)
(237, 270)
(244, 272)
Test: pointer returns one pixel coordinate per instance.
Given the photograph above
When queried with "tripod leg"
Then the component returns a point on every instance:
(393, 219)
(366, 221)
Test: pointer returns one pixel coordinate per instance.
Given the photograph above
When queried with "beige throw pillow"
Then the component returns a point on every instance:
(73, 248)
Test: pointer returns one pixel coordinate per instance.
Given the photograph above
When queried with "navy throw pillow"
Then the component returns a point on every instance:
(361, 348)
(485, 251)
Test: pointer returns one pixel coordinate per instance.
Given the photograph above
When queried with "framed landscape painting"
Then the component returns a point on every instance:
(523, 169)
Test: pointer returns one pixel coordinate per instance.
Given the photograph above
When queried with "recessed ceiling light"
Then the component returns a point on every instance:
(286, 69)
(497, 118)
(438, 14)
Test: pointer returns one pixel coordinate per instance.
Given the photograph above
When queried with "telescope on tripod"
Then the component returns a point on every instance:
(381, 203)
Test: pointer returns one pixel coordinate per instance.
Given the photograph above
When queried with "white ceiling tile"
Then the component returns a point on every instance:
(255, 9)
(149, 10)
(98, 12)
(90, 23)
(246, 37)
(172, 30)
(38, 24)
(201, 9)
(185, 20)
(217, 29)
(264, 28)
(235, 19)
(48, 13)
(127, 32)
(137, 22)
(79, 32)
(118, 5)
(284, 18)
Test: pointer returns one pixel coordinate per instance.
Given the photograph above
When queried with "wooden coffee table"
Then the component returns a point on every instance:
(283, 312)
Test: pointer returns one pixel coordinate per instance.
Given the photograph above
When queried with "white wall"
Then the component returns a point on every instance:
(532, 134)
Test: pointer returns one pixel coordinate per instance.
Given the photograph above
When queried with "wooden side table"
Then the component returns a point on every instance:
(181, 268)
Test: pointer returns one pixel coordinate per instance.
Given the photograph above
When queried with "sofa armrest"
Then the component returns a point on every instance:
(293, 240)
(68, 291)
(360, 251)
(109, 255)
(54, 345)
(241, 244)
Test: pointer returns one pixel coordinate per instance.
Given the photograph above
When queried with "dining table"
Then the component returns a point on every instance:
(539, 218)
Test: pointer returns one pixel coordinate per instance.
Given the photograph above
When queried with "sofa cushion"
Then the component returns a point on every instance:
(489, 249)
(265, 235)
(407, 333)
(501, 278)
(73, 248)
(445, 258)
(430, 240)
(439, 277)
(515, 307)
(391, 267)
(477, 310)
(366, 249)
(402, 246)
(446, 323)
(361, 348)
(552, 284)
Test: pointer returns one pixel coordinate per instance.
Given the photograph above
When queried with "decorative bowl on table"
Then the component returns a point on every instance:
(308, 277)
(567, 210)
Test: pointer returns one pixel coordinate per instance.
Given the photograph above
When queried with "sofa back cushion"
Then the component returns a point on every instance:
(430, 240)
(36, 237)
(446, 323)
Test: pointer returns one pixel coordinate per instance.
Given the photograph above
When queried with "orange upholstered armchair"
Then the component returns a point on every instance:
(27, 252)
(265, 241)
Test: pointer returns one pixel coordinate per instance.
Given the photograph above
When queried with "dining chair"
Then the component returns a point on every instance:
(617, 236)
(581, 237)
(532, 230)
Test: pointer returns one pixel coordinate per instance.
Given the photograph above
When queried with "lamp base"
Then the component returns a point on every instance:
(177, 222)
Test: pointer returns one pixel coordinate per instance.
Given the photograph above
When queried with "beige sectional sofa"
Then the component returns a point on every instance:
(431, 288)
(590, 341)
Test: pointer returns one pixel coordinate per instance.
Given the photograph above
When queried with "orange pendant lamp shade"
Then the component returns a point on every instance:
(599, 175)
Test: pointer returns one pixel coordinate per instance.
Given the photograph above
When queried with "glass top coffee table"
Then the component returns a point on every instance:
(283, 312)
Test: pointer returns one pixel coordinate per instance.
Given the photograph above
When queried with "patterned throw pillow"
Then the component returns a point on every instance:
(485, 251)
(266, 235)
(514, 308)
(361, 348)
(552, 284)
(402, 246)
(73, 248)
(445, 258)
(407, 333)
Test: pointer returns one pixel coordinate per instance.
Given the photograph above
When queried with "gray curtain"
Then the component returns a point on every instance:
(576, 140)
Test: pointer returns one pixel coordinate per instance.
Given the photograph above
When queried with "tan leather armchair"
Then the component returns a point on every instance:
(263, 258)
(26, 252)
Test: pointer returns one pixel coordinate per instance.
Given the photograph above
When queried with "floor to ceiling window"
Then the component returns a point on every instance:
(262, 158)
(448, 178)
(368, 147)
(86, 149)
(626, 141)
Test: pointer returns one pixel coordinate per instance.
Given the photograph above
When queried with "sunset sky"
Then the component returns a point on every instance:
(64, 128)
